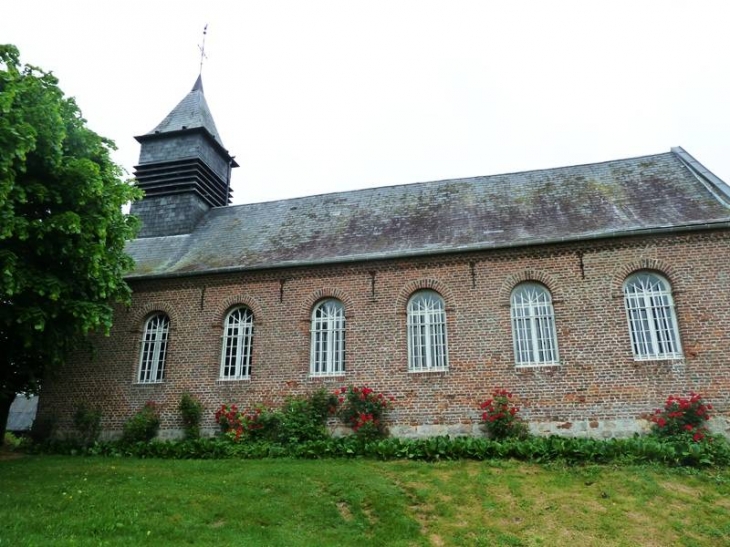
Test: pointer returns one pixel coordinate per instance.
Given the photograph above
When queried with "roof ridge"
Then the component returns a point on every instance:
(459, 179)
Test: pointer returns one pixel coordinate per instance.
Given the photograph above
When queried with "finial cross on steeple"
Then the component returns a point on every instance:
(202, 49)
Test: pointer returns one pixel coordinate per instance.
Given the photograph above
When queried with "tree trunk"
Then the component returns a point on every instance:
(5, 402)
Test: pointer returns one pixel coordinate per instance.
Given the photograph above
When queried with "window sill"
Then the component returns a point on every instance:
(538, 365)
(157, 383)
(229, 380)
(654, 358)
(427, 370)
(333, 376)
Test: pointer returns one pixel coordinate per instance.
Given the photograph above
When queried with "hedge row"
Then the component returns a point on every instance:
(634, 450)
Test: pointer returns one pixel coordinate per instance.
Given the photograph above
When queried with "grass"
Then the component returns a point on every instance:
(53, 500)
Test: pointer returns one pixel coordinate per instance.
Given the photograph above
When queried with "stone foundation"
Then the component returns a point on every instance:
(591, 429)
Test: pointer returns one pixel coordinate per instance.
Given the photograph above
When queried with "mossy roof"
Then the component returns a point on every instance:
(662, 192)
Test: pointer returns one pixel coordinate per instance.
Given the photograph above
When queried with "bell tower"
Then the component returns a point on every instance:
(183, 169)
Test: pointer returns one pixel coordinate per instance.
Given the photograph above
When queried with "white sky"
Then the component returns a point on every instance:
(319, 96)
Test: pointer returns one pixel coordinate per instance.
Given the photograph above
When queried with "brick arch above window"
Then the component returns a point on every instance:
(240, 301)
(407, 291)
(529, 275)
(623, 271)
(323, 294)
(147, 309)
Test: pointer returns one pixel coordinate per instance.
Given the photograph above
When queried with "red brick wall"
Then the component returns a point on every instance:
(598, 379)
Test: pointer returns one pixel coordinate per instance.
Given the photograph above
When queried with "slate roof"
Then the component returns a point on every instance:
(192, 112)
(663, 192)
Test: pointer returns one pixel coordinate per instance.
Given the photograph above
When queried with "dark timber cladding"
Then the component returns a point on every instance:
(182, 160)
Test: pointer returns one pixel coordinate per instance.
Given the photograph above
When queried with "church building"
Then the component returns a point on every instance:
(591, 292)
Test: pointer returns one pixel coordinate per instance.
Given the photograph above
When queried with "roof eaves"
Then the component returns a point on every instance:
(202, 130)
(692, 227)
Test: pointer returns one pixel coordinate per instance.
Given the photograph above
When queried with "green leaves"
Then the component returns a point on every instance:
(565, 450)
(62, 230)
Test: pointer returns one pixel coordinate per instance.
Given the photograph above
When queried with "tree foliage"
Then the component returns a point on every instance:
(62, 229)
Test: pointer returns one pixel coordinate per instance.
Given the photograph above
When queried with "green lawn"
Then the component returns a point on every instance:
(49, 500)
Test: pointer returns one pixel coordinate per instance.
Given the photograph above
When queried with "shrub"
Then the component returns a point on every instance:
(499, 417)
(43, 428)
(12, 441)
(87, 422)
(295, 422)
(235, 424)
(229, 419)
(143, 426)
(300, 419)
(322, 405)
(363, 410)
(192, 411)
(682, 417)
(305, 418)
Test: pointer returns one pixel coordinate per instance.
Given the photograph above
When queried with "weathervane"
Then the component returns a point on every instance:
(202, 49)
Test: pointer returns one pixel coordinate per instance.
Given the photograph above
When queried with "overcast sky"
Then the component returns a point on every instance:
(319, 96)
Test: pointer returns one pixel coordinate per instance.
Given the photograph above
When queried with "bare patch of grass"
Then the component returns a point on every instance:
(345, 512)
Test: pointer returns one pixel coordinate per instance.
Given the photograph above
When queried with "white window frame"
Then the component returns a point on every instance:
(237, 346)
(153, 352)
(534, 337)
(327, 353)
(428, 348)
(653, 327)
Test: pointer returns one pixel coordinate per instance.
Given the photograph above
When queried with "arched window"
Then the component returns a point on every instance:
(154, 349)
(533, 325)
(237, 343)
(427, 345)
(652, 322)
(328, 339)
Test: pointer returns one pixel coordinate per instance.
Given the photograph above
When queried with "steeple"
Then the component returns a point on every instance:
(183, 168)
(190, 113)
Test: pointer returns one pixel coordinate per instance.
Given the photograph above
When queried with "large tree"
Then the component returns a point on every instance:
(62, 229)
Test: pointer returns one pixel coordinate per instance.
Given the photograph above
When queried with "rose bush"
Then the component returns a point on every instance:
(363, 410)
(682, 416)
(235, 424)
(499, 416)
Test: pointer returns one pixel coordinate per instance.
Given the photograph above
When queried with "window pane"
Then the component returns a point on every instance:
(154, 349)
(651, 317)
(237, 344)
(533, 325)
(427, 340)
(328, 338)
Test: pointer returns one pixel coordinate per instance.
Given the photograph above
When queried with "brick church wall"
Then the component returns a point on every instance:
(597, 390)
